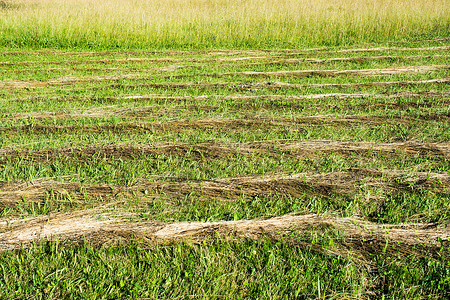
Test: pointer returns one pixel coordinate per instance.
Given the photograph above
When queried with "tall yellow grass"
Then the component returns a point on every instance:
(217, 23)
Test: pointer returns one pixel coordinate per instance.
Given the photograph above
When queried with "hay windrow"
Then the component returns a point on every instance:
(323, 184)
(92, 61)
(170, 126)
(283, 85)
(274, 85)
(214, 150)
(326, 73)
(360, 59)
(198, 63)
(400, 94)
(354, 234)
(142, 112)
(251, 122)
(70, 80)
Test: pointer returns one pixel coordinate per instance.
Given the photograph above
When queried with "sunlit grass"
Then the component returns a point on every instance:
(191, 137)
(216, 23)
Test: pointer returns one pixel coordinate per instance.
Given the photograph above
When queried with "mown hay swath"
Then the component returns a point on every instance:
(353, 234)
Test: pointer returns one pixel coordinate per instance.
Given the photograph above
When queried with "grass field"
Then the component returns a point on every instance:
(292, 164)
(201, 24)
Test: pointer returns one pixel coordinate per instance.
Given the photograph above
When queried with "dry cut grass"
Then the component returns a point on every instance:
(351, 234)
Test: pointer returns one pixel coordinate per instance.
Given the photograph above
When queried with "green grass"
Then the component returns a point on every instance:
(192, 24)
(215, 269)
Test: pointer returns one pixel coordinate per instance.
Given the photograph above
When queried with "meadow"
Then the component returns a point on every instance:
(200, 24)
(224, 149)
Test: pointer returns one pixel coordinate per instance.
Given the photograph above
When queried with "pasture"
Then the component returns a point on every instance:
(166, 158)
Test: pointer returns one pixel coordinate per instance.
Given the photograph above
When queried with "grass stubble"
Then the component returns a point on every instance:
(182, 155)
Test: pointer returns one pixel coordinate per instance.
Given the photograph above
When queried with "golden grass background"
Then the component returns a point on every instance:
(217, 23)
